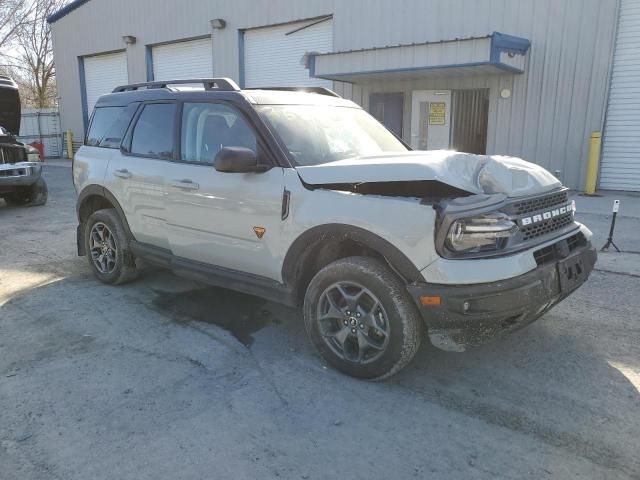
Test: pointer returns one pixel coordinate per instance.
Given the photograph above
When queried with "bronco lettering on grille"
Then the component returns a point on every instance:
(540, 217)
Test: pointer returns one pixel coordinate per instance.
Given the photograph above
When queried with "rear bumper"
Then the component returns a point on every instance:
(22, 174)
(474, 314)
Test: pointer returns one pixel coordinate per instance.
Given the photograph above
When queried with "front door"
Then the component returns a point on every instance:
(229, 220)
(430, 119)
(387, 109)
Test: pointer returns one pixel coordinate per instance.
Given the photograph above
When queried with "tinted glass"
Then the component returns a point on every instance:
(103, 120)
(114, 135)
(209, 127)
(153, 133)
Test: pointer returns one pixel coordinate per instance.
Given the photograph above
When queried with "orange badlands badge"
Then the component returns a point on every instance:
(259, 231)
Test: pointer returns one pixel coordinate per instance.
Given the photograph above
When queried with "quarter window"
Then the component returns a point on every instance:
(103, 120)
(153, 132)
(209, 127)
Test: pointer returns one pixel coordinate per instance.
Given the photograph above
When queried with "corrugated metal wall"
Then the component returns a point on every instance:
(548, 118)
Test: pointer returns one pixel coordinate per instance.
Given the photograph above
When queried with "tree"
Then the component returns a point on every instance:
(13, 15)
(36, 70)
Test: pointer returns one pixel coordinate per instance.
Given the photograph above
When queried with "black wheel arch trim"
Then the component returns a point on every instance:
(99, 191)
(397, 260)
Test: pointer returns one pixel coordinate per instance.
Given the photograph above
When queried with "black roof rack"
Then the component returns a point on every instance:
(318, 90)
(221, 84)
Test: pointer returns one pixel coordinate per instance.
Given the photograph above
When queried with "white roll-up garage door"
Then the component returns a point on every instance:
(102, 73)
(180, 60)
(273, 55)
(621, 144)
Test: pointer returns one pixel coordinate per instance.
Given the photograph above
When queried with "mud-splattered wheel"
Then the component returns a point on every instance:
(361, 319)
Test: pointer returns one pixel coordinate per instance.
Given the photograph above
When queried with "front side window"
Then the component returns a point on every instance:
(153, 132)
(103, 119)
(321, 134)
(209, 127)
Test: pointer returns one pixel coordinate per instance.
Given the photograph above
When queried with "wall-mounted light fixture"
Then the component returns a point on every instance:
(218, 23)
(129, 39)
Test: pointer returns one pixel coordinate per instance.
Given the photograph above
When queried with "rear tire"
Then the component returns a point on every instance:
(107, 247)
(361, 319)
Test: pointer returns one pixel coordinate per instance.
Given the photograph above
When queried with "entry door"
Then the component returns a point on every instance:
(218, 218)
(387, 108)
(430, 119)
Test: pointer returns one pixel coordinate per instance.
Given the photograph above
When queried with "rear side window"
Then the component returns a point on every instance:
(114, 135)
(103, 119)
(153, 132)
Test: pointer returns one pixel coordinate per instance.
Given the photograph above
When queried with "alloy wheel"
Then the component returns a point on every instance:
(353, 322)
(103, 249)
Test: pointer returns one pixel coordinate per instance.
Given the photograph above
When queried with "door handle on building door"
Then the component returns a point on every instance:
(185, 184)
(123, 173)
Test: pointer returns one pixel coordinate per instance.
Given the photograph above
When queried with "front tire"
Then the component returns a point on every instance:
(33, 195)
(107, 247)
(361, 319)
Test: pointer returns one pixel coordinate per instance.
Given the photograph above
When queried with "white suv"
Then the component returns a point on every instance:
(303, 198)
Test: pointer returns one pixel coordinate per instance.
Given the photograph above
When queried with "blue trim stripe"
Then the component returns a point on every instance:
(241, 58)
(66, 10)
(83, 94)
(149, 62)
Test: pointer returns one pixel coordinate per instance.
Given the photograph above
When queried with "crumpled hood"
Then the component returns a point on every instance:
(476, 174)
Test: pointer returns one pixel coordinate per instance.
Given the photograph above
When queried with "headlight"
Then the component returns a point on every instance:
(484, 233)
(33, 154)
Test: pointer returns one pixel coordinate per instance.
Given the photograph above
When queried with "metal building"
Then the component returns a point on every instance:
(527, 78)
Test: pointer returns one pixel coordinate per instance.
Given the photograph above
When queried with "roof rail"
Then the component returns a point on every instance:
(318, 90)
(222, 84)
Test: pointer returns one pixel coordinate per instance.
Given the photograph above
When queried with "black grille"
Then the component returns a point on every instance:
(540, 203)
(547, 226)
(12, 154)
(554, 252)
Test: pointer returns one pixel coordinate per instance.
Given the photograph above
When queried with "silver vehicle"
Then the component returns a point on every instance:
(21, 182)
(303, 198)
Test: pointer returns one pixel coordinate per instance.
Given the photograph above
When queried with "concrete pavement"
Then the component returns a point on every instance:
(143, 382)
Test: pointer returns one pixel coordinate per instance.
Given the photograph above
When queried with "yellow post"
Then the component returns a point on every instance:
(592, 163)
(69, 145)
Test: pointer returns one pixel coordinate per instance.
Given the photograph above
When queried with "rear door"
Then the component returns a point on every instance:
(136, 173)
(230, 220)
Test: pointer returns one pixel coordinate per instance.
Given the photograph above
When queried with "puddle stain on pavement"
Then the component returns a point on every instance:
(240, 314)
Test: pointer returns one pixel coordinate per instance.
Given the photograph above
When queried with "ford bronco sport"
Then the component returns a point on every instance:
(21, 182)
(303, 198)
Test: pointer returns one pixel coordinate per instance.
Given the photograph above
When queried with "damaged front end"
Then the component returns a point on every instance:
(503, 225)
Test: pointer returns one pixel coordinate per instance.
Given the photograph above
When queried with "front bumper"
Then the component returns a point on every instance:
(473, 314)
(21, 174)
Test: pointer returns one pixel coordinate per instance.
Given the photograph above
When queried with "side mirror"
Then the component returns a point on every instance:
(237, 160)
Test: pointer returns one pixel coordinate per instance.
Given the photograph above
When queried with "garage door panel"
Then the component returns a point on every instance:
(183, 60)
(102, 73)
(273, 55)
(621, 148)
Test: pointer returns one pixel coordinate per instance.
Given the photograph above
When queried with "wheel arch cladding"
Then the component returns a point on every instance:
(323, 244)
(91, 199)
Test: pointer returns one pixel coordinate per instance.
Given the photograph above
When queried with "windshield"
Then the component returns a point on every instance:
(321, 134)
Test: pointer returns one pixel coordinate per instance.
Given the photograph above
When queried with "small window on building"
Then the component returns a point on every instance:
(209, 127)
(153, 132)
(113, 137)
(103, 119)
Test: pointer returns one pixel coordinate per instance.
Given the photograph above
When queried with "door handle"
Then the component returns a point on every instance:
(185, 184)
(123, 173)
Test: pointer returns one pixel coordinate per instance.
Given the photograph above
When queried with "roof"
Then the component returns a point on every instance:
(64, 11)
(252, 96)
